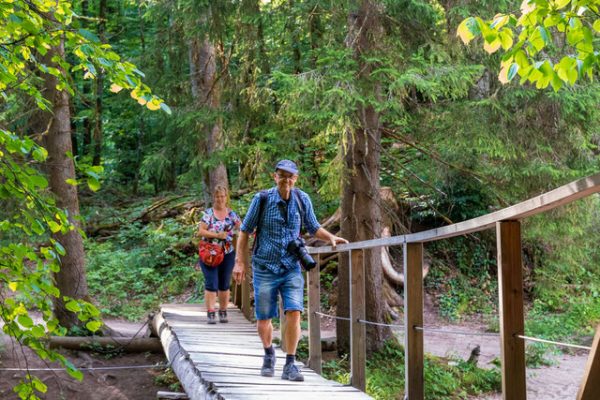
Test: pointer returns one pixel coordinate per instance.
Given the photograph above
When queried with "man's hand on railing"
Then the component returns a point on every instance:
(327, 236)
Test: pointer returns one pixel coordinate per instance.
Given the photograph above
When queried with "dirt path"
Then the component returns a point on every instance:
(99, 384)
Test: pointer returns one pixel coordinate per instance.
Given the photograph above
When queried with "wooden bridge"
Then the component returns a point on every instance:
(223, 361)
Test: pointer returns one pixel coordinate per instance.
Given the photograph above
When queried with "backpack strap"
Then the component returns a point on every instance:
(296, 196)
(264, 195)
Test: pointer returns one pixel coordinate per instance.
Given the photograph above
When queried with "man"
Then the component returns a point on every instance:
(276, 267)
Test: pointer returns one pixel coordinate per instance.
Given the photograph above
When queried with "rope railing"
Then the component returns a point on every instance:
(463, 333)
(153, 366)
(453, 332)
(533, 339)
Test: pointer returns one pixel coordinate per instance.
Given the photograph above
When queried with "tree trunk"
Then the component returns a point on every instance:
(361, 212)
(98, 134)
(71, 279)
(206, 94)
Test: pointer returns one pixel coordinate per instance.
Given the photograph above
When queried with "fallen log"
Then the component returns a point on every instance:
(126, 344)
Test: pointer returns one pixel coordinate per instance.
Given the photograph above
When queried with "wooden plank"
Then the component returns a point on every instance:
(533, 206)
(512, 322)
(243, 370)
(314, 321)
(413, 317)
(358, 356)
(257, 379)
(299, 396)
(590, 385)
(234, 351)
(162, 395)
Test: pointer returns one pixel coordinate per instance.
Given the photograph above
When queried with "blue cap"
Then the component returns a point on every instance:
(288, 166)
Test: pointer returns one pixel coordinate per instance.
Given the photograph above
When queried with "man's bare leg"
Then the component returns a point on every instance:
(265, 331)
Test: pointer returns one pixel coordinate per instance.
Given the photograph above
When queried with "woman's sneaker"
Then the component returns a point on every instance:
(210, 316)
(292, 373)
(223, 316)
(268, 367)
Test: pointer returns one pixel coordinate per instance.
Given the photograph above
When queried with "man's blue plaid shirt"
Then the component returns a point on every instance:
(274, 232)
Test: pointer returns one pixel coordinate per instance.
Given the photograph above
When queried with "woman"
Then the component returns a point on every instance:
(219, 224)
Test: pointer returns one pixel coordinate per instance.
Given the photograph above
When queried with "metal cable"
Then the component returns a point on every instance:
(432, 330)
(331, 316)
(576, 346)
(362, 321)
(89, 368)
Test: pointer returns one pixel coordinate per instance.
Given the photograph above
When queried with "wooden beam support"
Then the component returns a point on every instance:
(512, 322)
(413, 317)
(236, 294)
(246, 308)
(314, 321)
(590, 385)
(282, 325)
(358, 331)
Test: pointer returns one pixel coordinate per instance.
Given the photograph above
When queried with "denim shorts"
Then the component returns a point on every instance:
(267, 285)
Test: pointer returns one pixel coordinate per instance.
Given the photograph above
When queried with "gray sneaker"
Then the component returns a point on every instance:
(268, 367)
(210, 318)
(292, 373)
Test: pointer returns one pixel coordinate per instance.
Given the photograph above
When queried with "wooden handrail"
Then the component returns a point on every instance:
(509, 248)
(536, 205)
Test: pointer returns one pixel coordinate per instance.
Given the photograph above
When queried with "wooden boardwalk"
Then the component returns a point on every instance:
(223, 361)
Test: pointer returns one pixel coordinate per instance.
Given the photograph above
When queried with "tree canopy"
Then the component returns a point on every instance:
(551, 42)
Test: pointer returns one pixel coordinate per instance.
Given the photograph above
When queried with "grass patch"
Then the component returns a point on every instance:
(444, 378)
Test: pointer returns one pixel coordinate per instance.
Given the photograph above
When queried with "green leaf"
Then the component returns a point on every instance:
(25, 321)
(89, 35)
(39, 181)
(60, 249)
(93, 184)
(165, 108)
(596, 25)
(73, 306)
(71, 181)
(38, 331)
(465, 30)
(545, 35)
(39, 385)
(40, 154)
(512, 71)
(93, 325)
(561, 3)
(54, 227)
(75, 373)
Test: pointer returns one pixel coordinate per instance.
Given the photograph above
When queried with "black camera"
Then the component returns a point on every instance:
(296, 247)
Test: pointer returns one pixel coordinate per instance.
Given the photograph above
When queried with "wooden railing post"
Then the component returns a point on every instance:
(314, 321)
(246, 308)
(590, 385)
(512, 322)
(236, 294)
(413, 317)
(282, 325)
(358, 332)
